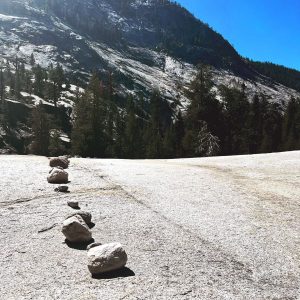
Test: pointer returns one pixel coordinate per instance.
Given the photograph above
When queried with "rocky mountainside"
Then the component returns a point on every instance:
(150, 44)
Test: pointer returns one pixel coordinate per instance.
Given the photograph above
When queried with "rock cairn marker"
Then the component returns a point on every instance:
(77, 226)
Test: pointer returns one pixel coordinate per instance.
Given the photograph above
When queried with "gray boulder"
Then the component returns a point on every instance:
(60, 161)
(106, 258)
(86, 216)
(76, 230)
(58, 176)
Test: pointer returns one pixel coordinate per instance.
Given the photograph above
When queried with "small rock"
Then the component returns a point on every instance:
(61, 161)
(73, 204)
(62, 189)
(76, 231)
(86, 216)
(58, 176)
(93, 245)
(105, 258)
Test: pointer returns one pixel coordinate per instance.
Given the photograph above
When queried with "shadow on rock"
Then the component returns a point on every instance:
(122, 273)
(91, 225)
(79, 246)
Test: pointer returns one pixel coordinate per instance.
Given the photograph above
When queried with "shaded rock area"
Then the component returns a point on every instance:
(73, 204)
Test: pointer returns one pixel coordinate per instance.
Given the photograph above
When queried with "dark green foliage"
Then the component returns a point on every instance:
(209, 127)
(56, 146)
(89, 137)
(104, 125)
(236, 113)
(15, 109)
(41, 131)
(291, 126)
(204, 117)
(281, 74)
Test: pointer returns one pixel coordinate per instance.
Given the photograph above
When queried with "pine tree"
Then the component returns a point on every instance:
(40, 130)
(255, 125)
(179, 132)
(82, 127)
(153, 136)
(133, 140)
(272, 129)
(204, 108)
(39, 81)
(291, 126)
(169, 143)
(32, 60)
(56, 79)
(2, 85)
(56, 146)
(236, 116)
(89, 131)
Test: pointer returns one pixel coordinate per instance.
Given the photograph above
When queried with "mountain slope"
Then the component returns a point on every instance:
(286, 76)
(146, 44)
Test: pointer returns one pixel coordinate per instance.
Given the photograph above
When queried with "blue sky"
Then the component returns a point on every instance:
(263, 30)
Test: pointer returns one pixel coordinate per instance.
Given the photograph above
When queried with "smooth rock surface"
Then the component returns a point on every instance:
(204, 228)
(86, 216)
(106, 258)
(76, 230)
(58, 176)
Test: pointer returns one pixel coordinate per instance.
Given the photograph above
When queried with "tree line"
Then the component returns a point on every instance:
(20, 84)
(99, 126)
(208, 127)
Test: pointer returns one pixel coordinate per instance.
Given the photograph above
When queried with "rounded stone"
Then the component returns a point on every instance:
(76, 230)
(106, 258)
(58, 176)
(59, 162)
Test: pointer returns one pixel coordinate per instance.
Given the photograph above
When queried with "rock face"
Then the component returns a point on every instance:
(60, 161)
(86, 216)
(76, 230)
(58, 176)
(105, 258)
